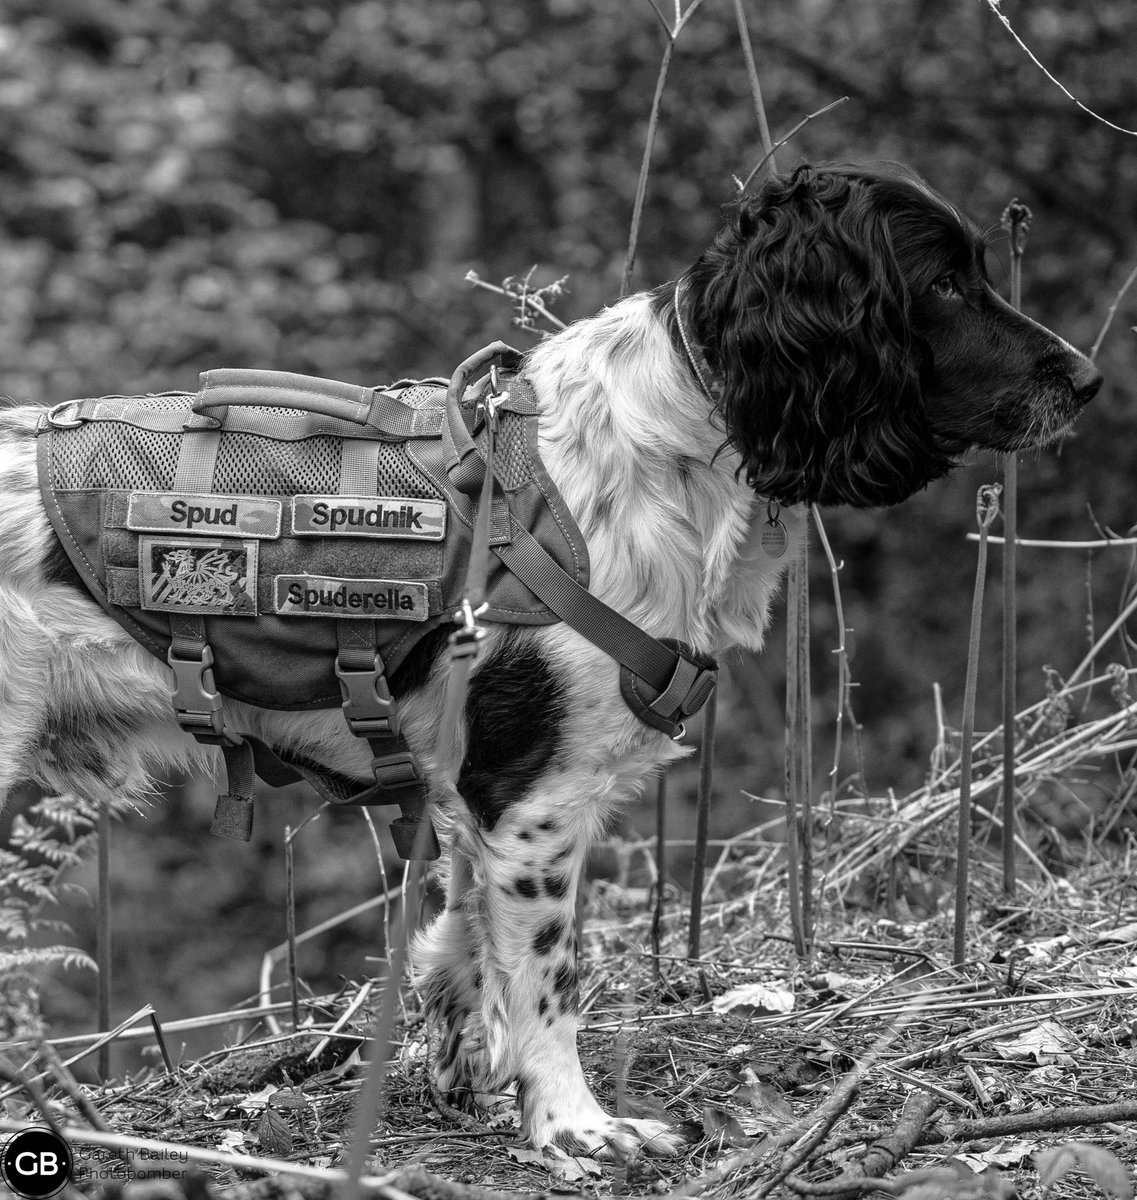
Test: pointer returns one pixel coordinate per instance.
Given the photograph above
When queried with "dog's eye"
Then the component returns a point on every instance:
(945, 287)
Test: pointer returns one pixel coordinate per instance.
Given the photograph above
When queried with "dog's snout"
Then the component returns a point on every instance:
(1086, 380)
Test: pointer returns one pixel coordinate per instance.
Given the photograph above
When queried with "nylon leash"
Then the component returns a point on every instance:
(465, 641)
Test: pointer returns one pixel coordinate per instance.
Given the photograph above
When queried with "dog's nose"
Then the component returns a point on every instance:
(1086, 380)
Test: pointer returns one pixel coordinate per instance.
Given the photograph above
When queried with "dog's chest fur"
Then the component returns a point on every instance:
(674, 537)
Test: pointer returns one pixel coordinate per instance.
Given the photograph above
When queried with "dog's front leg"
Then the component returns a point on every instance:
(520, 913)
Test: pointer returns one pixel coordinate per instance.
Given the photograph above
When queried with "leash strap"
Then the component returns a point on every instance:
(465, 641)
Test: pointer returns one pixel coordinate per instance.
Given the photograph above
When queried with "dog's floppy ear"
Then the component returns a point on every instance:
(800, 306)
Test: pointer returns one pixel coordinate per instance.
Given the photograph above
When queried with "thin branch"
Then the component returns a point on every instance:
(752, 76)
(842, 652)
(993, 5)
(529, 300)
(1042, 544)
(987, 508)
(1112, 312)
(744, 184)
(662, 18)
(645, 167)
(652, 128)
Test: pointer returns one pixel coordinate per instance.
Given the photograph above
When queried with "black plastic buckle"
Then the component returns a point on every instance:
(197, 704)
(700, 691)
(393, 771)
(368, 706)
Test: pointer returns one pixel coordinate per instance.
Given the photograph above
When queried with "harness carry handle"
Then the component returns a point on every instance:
(231, 387)
(464, 464)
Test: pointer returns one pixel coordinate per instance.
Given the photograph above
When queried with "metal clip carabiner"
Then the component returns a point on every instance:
(492, 399)
(464, 641)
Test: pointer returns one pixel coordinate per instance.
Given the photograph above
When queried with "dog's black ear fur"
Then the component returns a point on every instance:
(801, 308)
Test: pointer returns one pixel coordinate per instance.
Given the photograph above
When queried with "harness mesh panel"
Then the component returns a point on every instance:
(399, 475)
(250, 464)
(419, 395)
(511, 461)
(86, 458)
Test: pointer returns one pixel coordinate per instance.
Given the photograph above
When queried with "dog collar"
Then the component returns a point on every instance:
(697, 361)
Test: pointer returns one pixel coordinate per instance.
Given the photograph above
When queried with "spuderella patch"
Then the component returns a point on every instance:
(369, 516)
(373, 599)
(203, 515)
(184, 575)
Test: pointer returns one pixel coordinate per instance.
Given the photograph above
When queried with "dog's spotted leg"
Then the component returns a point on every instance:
(524, 888)
(447, 959)
(531, 809)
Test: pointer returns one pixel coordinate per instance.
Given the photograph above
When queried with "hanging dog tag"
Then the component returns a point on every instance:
(774, 536)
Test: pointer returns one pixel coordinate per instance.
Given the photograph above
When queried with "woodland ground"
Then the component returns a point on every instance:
(1016, 1052)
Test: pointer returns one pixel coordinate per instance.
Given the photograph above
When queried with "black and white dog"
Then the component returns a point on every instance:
(853, 349)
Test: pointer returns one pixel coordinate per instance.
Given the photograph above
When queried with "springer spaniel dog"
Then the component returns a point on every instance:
(839, 342)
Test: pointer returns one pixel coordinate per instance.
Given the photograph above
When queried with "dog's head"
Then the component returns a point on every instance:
(858, 344)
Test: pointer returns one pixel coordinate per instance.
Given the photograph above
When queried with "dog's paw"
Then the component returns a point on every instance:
(609, 1139)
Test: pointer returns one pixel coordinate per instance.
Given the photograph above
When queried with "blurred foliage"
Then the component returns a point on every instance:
(192, 183)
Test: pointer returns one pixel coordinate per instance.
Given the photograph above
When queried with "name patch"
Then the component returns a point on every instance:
(186, 512)
(189, 576)
(320, 596)
(369, 516)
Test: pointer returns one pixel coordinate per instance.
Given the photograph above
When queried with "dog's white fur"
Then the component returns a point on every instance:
(673, 539)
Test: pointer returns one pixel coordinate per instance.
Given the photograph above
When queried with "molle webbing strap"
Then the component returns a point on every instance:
(682, 683)
(368, 706)
(196, 703)
(198, 707)
(359, 466)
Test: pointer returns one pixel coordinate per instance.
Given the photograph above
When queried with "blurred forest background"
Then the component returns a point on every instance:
(300, 185)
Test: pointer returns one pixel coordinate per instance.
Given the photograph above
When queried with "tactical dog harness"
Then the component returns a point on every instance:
(286, 541)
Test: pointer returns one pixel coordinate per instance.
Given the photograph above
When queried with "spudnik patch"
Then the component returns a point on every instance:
(369, 516)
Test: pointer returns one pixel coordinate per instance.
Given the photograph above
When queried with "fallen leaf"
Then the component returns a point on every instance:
(1002, 1154)
(1100, 1164)
(233, 1141)
(753, 998)
(1044, 1043)
(559, 1164)
(273, 1134)
(720, 1125)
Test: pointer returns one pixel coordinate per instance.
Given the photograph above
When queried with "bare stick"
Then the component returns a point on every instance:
(752, 77)
(672, 35)
(987, 509)
(1043, 544)
(993, 5)
(841, 652)
(793, 726)
(525, 299)
(290, 924)
(660, 873)
(702, 824)
(1016, 221)
(1112, 311)
(742, 185)
(645, 166)
(103, 937)
(1031, 1122)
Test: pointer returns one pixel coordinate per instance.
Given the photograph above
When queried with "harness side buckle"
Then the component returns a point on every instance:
(198, 705)
(393, 771)
(368, 705)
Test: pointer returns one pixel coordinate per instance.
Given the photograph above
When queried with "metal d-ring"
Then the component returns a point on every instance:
(58, 422)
